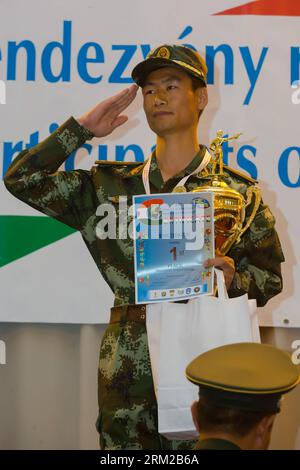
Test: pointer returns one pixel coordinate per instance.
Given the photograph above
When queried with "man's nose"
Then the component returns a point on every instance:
(160, 98)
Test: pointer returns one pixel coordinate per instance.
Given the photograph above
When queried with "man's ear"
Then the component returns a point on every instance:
(202, 97)
(194, 410)
(266, 423)
(263, 431)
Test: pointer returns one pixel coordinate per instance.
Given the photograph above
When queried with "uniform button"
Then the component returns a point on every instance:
(143, 308)
(143, 317)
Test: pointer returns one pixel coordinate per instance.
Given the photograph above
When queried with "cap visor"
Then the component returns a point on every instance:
(142, 70)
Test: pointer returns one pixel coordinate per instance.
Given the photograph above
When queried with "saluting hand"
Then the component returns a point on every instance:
(226, 264)
(106, 115)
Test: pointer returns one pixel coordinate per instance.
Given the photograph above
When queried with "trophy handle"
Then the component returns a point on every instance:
(234, 232)
(251, 191)
(227, 216)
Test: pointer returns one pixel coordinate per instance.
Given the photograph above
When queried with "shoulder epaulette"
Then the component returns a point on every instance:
(114, 162)
(241, 174)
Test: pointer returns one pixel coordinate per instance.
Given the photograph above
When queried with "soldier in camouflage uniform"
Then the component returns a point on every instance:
(174, 97)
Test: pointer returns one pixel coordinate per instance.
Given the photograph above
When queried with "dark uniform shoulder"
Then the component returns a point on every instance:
(215, 444)
(240, 174)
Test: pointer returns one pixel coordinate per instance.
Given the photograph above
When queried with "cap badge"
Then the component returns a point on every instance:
(163, 52)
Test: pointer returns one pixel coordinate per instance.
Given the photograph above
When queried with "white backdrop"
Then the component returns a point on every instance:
(250, 91)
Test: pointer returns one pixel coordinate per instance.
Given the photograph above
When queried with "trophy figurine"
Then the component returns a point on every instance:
(229, 205)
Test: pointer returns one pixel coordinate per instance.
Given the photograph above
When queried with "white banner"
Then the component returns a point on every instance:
(59, 58)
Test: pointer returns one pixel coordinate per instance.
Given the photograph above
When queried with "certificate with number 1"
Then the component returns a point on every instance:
(173, 235)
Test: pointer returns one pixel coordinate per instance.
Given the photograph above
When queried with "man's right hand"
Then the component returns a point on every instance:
(106, 115)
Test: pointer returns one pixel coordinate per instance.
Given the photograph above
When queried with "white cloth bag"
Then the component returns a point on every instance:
(179, 332)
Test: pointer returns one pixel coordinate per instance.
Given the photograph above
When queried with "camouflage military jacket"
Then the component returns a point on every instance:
(74, 197)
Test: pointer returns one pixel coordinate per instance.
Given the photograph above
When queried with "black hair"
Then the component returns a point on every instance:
(232, 421)
(196, 83)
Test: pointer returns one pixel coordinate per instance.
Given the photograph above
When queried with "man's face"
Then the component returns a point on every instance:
(170, 103)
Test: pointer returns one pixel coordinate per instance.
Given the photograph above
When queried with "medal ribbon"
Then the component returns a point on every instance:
(182, 182)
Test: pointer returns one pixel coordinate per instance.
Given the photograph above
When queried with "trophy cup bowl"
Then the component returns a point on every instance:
(229, 205)
(229, 214)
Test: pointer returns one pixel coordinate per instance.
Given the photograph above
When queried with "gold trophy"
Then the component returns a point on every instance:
(229, 205)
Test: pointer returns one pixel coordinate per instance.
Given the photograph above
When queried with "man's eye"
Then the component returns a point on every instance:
(171, 87)
(149, 92)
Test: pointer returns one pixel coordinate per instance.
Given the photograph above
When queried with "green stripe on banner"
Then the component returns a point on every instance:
(21, 235)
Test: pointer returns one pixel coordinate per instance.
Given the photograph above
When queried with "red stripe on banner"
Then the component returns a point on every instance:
(266, 7)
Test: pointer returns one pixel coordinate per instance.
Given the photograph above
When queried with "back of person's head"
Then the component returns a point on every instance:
(240, 391)
(249, 429)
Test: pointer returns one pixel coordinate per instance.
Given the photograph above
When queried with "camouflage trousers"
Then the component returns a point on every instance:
(127, 405)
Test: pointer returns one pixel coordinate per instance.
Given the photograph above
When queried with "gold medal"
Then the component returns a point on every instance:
(179, 189)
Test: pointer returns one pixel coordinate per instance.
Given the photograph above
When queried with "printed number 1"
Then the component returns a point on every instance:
(174, 251)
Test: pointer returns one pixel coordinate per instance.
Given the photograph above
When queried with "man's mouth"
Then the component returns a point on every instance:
(162, 113)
